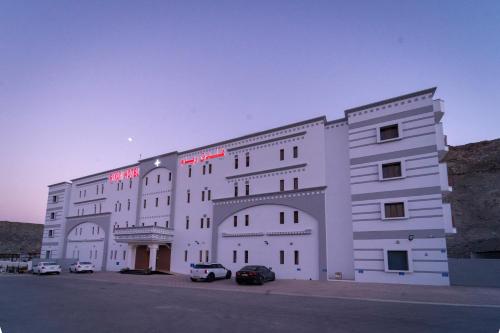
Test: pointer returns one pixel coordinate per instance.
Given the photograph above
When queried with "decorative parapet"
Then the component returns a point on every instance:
(153, 234)
(243, 234)
(270, 233)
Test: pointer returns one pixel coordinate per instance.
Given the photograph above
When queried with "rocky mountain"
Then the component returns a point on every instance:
(474, 174)
(18, 237)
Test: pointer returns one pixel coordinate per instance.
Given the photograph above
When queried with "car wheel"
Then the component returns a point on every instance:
(210, 277)
(228, 275)
(260, 280)
(193, 279)
(91, 272)
(239, 282)
(273, 277)
(57, 273)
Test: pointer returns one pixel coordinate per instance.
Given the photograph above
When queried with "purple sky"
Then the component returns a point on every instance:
(77, 78)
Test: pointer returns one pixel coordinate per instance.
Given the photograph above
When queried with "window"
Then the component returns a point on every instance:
(204, 169)
(156, 202)
(282, 185)
(201, 255)
(296, 183)
(84, 193)
(47, 254)
(247, 188)
(51, 233)
(54, 198)
(187, 222)
(235, 189)
(80, 194)
(97, 189)
(100, 208)
(95, 208)
(168, 200)
(117, 186)
(246, 257)
(93, 229)
(129, 184)
(210, 168)
(78, 213)
(282, 154)
(235, 256)
(124, 254)
(295, 152)
(282, 217)
(295, 216)
(296, 257)
(282, 257)
(155, 224)
(397, 260)
(247, 220)
(121, 186)
(186, 255)
(202, 195)
(188, 196)
(208, 222)
(83, 213)
(158, 179)
(102, 186)
(394, 210)
(235, 220)
(236, 161)
(201, 223)
(189, 171)
(209, 195)
(128, 204)
(146, 181)
(389, 132)
(391, 170)
(120, 207)
(52, 216)
(144, 204)
(169, 176)
(247, 160)
(206, 256)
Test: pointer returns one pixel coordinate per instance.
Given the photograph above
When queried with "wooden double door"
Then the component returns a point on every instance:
(162, 257)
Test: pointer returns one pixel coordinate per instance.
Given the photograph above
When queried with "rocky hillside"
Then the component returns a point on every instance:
(16, 236)
(474, 172)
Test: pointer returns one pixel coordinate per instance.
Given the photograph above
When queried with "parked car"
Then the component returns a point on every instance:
(81, 267)
(46, 267)
(254, 274)
(209, 272)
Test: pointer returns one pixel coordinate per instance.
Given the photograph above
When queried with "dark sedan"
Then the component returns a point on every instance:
(254, 274)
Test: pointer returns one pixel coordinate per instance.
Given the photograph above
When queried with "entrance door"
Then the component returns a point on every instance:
(142, 257)
(163, 259)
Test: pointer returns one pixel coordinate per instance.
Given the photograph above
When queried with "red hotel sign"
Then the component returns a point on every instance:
(204, 157)
(125, 174)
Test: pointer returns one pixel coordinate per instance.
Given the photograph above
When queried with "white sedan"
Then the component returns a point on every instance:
(46, 267)
(81, 266)
(209, 272)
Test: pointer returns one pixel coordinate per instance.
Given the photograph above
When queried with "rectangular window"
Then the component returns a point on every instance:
(51, 233)
(236, 161)
(52, 216)
(204, 169)
(282, 185)
(80, 194)
(187, 223)
(246, 257)
(156, 202)
(84, 193)
(188, 197)
(102, 186)
(282, 154)
(168, 200)
(295, 152)
(235, 220)
(169, 176)
(47, 254)
(296, 257)
(389, 132)
(391, 170)
(144, 204)
(54, 198)
(209, 197)
(124, 254)
(247, 189)
(282, 257)
(207, 257)
(129, 185)
(282, 217)
(128, 205)
(201, 255)
(394, 210)
(158, 179)
(210, 168)
(146, 181)
(247, 220)
(296, 183)
(185, 255)
(189, 171)
(208, 222)
(397, 261)
(235, 256)
(235, 189)
(247, 160)
(202, 195)
(201, 223)
(295, 216)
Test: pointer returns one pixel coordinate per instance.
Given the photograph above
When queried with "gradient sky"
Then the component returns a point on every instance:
(77, 78)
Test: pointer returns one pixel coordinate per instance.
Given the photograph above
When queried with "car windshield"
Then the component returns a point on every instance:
(202, 266)
(250, 268)
(85, 263)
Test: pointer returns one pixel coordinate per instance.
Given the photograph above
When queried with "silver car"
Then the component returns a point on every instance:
(46, 267)
(81, 266)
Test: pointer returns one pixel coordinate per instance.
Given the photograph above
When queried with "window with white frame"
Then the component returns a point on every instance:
(392, 170)
(394, 210)
(397, 260)
(389, 132)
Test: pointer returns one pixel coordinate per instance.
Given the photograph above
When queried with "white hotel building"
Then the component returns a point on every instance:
(358, 198)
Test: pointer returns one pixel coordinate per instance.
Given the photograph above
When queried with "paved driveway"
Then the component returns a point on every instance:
(111, 302)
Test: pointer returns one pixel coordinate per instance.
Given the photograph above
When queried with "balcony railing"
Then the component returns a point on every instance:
(146, 234)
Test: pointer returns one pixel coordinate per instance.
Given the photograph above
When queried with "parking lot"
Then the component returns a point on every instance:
(112, 302)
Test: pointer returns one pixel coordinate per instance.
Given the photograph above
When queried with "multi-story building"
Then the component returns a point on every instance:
(357, 198)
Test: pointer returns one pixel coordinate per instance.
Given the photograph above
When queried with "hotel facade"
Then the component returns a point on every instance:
(358, 198)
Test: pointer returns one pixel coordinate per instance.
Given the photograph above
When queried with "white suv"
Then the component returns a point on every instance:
(46, 267)
(81, 266)
(209, 272)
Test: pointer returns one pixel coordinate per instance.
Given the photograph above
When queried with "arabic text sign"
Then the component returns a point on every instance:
(204, 157)
(123, 174)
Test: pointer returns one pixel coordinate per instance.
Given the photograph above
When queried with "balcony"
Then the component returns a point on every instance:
(144, 235)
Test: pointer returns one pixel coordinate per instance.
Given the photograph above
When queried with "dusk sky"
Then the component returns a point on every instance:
(78, 78)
